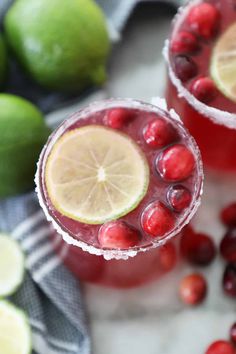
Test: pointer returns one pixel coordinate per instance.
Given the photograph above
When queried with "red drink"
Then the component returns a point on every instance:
(200, 48)
(127, 248)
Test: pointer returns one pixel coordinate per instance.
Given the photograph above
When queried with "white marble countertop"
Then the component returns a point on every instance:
(151, 319)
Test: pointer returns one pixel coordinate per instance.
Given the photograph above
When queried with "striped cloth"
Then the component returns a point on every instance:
(50, 294)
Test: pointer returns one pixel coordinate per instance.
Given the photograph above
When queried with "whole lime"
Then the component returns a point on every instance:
(22, 135)
(63, 44)
(3, 61)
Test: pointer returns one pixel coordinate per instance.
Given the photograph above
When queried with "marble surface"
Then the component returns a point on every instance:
(151, 319)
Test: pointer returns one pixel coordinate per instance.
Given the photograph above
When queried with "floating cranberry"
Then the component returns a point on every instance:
(176, 163)
(220, 347)
(184, 43)
(118, 234)
(185, 68)
(193, 289)
(228, 215)
(197, 248)
(167, 256)
(116, 118)
(203, 89)
(228, 246)
(159, 133)
(204, 20)
(157, 220)
(229, 280)
(233, 333)
(179, 197)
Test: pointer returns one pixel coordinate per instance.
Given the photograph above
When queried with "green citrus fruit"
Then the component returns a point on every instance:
(22, 135)
(3, 61)
(223, 63)
(94, 174)
(15, 332)
(63, 44)
(12, 265)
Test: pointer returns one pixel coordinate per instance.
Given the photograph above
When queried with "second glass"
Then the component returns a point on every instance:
(198, 53)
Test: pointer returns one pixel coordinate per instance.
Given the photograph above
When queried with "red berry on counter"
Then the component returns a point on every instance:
(167, 256)
(185, 68)
(176, 163)
(203, 89)
(179, 197)
(184, 43)
(228, 246)
(193, 289)
(228, 215)
(118, 234)
(220, 347)
(116, 118)
(197, 248)
(159, 133)
(204, 20)
(229, 280)
(233, 333)
(157, 220)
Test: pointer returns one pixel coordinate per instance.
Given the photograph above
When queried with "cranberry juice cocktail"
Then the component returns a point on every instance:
(201, 59)
(117, 180)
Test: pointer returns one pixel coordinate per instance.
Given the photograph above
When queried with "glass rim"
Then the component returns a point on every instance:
(158, 107)
(216, 115)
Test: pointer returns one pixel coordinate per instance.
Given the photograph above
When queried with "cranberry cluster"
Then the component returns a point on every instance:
(199, 249)
(228, 249)
(201, 25)
(174, 163)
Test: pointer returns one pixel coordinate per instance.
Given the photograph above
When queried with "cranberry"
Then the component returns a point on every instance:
(220, 347)
(167, 256)
(229, 280)
(176, 163)
(203, 89)
(116, 118)
(233, 333)
(228, 246)
(204, 20)
(157, 219)
(118, 234)
(197, 248)
(179, 197)
(185, 68)
(184, 43)
(228, 215)
(159, 133)
(193, 289)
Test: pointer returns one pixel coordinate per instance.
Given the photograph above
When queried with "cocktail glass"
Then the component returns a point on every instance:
(194, 89)
(149, 257)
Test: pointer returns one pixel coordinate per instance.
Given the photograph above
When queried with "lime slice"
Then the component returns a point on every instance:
(223, 63)
(11, 266)
(95, 174)
(15, 333)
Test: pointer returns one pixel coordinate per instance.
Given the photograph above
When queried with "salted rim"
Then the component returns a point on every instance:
(159, 108)
(216, 115)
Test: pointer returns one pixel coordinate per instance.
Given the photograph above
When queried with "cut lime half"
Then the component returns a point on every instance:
(11, 265)
(223, 63)
(15, 332)
(94, 174)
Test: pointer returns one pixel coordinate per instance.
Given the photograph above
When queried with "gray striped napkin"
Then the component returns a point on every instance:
(50, 294)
